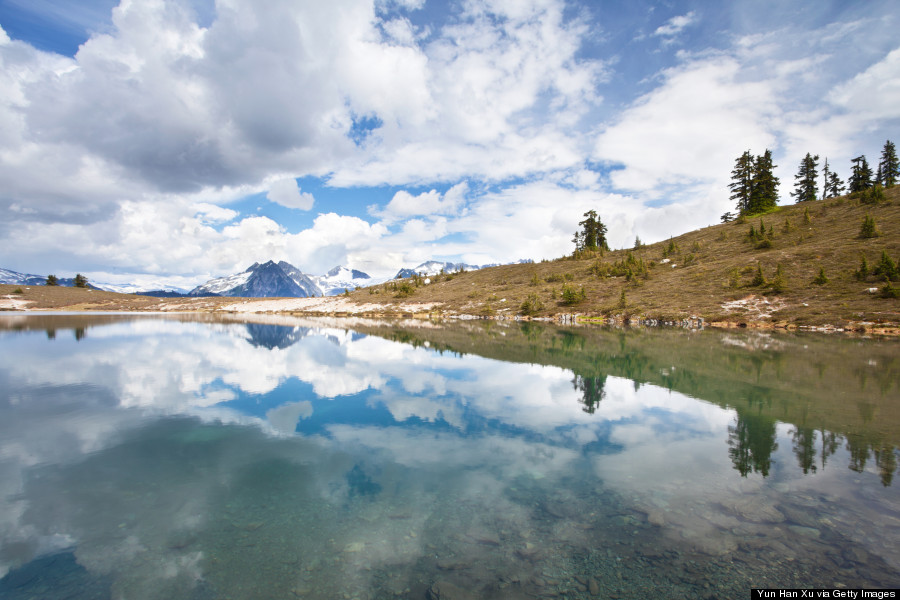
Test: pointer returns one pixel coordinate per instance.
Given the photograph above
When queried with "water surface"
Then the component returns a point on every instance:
(189, 458)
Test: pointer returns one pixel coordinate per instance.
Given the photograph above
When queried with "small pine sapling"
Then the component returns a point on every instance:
(778, 284)
(759, 279)
(821, 278)
(863, 272)
(868, 228)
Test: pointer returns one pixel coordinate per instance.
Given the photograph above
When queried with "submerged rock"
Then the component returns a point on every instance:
(444, 590)
(805, 531)
(756, 510)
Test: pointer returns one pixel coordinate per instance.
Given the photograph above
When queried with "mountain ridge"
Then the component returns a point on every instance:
(800, 265)
(261, 280)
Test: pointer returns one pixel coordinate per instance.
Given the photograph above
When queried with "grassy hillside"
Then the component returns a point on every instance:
(707, 273)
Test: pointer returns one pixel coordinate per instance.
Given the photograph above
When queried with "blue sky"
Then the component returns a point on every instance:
(176, 140)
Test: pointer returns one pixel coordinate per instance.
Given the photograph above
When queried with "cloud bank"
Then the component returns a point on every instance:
(488, 121)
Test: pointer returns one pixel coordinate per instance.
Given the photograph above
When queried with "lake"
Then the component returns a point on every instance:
(147, 457)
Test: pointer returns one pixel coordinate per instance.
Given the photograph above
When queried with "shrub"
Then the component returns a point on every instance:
(535, 280)
(886, 268)
(863, 270)
(889, 291)
(868, 229)
(873, 195)
(820, 279)
(671, 249)
(404, 290)
(600, 269)
(759, 279)
(572, 296)
(554, 278)
(623, 301)
(778, 284)
(531, 305)
(18, 291)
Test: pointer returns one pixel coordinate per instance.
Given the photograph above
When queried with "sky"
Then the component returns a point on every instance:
(171, 141)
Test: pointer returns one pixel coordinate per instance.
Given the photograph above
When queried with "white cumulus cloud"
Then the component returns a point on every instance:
(287, 193)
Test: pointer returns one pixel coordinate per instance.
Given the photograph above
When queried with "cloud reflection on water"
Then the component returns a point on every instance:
(466, 436)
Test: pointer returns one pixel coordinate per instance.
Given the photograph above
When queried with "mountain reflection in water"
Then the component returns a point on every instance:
(187, 457)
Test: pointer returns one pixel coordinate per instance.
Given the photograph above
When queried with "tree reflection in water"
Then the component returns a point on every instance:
(592, 391)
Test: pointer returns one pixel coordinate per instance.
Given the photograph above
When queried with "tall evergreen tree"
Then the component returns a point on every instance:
(764, 189)
(52, 280)
(825, 173)
(80, 281)
(861, 175)
(835, 186)
(889, 165)
(742, 182)
(805, 187)
(593, 233)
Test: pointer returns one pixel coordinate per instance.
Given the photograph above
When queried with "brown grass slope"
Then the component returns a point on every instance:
(42, 297)
(708, 270)
(709, 274)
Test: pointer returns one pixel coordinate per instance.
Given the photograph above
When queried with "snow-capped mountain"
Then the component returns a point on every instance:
(130, 288)
(307, 283)
(283, 279)
(338, 279)
(433, 267)
(267, 280)
(14, 278)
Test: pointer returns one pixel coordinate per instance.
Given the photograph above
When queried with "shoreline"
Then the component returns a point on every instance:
(340, 307)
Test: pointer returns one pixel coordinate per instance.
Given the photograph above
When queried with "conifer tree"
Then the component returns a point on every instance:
(861, 175)
(52, 280)
(835, 186)
(889, 166)
(593, 233)
(742, 182)
(825, 173)
(764, 189)
(868, 228)
(80, 281)
(805, 187)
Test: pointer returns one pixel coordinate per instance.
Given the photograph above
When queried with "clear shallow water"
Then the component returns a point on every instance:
(161, 458)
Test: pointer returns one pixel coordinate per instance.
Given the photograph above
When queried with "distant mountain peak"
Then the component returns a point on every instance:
(282, 279)
(266, 280)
